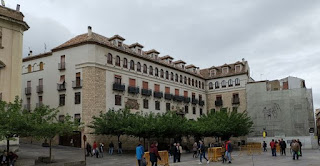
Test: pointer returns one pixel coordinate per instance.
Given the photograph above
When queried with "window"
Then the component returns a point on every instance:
(117, 61)
(119, 43)
(167, 106)
(237, 68)
(201, 111)
(194, 110)
(77, 98)
(186, 109)
(156, 72)
(188, 81)
(62, 99)
(161, 73)
(139, 51)
(216, 85)
(78, 79)
(176, 92)
(61, 118)
(40, 100)
(150, 70)
(117, 79)
(196, 83)
(202, 85)
(132, 82)
(125, 63)
(109, 58)
(157, 104)
(138, 67)
(177, 78)
(225, 70)
(29, 68)
(230, 84)
(223, 84)
(210, 85)
(145, 85)
(192, 82)
(41, 65)
(145, 104)
(237, 82)
(117, 100)
(185, 93)
(77, 118)
(1, 38)
(167, 75)
(131, 65)
(145, 70)
(156, 87)
(180, 78)
(0, 96)
(185, 80)
(212, 72)
(171, 76)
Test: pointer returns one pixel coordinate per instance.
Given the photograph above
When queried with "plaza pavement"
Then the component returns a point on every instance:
(63, 154)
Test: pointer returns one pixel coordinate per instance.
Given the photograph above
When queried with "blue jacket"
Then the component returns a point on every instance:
(139, 152)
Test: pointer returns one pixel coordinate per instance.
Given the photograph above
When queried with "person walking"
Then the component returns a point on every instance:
(89, 149)
(12, 158)
(139, 153)
(154, 154)
(4, 160)
(273, 148)
(300, 146)
(202, 150)
(264, 144)
(295, 149)
(111, 146)
(119, 147)
(228, 150)
(283, 147)
(223, 152)
(195, 150)
(94, 147)
(174, 152)
(101, 149)
(179, 151)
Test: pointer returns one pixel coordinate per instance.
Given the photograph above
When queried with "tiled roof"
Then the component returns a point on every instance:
(29, 58)
(152, 51)
(190, 66)
(206, 72)
(166, 57)
(179, 61)
(117, 37)
(136, 44)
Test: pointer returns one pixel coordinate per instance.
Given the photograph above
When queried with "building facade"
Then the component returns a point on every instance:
(317, 114)
(12, 27)
(92, 73)
(282, 108)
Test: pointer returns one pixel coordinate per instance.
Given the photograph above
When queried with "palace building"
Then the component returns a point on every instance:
(92, 73)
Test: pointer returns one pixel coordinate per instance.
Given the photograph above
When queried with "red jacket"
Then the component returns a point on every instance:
(94, 145)
(272, 145)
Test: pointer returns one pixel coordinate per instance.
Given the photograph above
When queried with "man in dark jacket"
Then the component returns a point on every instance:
(283, 147)
(154, 154)
(202, 150)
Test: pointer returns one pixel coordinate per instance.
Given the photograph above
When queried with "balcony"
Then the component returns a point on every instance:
(201, 102)
(39, 104)
(28, 90)
(77, 84)
(236, 100)
(168, 96)
(178, 98)
(187, 99)
(194, 101)
(62, 66)
(158, 95)
(40, 89)
(27, 107)
(133, 90)
(218, 103)
(61, 86)
(119, 87)
(146, 92)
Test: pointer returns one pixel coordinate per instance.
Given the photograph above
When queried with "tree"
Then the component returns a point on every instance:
(46, 126)
(13, 121)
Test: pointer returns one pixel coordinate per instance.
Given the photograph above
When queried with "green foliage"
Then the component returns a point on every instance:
(171, 125)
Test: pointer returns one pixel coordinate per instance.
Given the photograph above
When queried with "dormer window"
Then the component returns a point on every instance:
(237, 68)
(139, 51)
(119, 44)
(170, 61)
(213, 72)
(225, 70)
(182, 66)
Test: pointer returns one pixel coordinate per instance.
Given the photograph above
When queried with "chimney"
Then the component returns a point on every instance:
(89, 31)
(30, 53)
(18, 8)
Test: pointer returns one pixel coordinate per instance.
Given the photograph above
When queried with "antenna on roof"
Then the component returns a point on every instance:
(2, 3)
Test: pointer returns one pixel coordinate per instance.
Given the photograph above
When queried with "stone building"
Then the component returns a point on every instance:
(12, 27)
(282, 108)
(318, 124)
(92, 73)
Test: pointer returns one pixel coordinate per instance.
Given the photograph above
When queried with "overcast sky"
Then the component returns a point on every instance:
(278, 38)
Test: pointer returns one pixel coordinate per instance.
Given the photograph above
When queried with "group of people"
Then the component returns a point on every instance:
(98, 151)
(295, 147)
(6, 158)
(153, 152)
(176, 151)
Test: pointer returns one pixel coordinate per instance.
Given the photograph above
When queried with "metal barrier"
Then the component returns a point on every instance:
(164, 158)
(214, 154)
(251, 148)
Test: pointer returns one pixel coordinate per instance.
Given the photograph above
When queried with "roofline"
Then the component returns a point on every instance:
(22, 23)
(30, 58)
(236, 74)
(122, 51)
